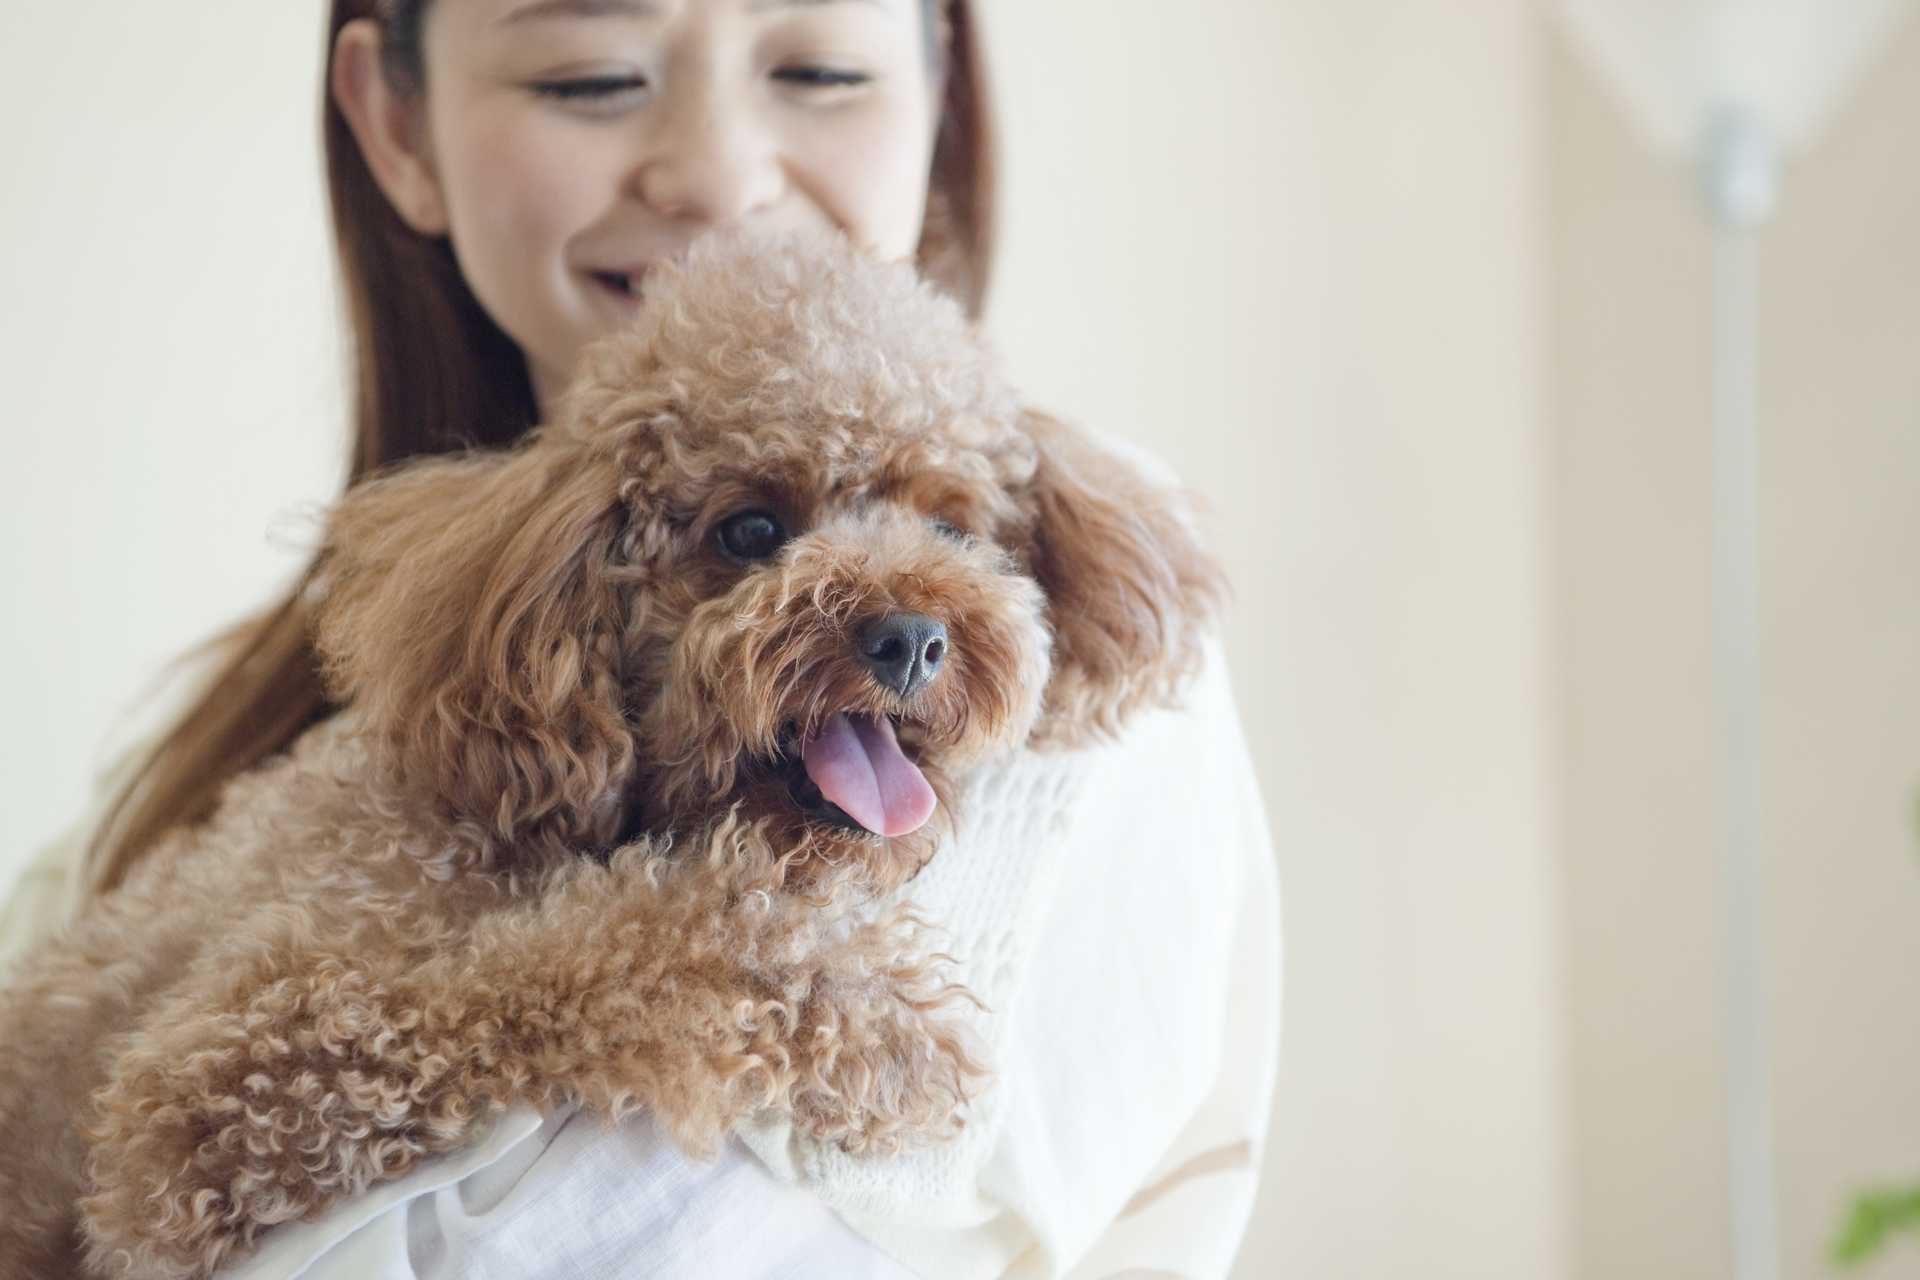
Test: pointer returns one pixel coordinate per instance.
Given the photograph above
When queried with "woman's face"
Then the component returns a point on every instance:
(573, 143)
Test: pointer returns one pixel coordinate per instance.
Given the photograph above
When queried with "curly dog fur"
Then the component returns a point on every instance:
(560, 844)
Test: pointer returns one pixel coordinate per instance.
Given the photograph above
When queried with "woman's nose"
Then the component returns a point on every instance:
(710, 163)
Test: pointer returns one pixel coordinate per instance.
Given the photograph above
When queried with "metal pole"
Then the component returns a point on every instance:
(1742, 174)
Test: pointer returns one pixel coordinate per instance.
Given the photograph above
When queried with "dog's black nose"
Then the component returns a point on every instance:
(904, 651)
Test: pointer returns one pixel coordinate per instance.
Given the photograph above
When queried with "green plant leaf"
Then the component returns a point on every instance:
(1873, 1218)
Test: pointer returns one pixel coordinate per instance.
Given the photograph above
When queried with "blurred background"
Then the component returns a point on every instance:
(1423, 298)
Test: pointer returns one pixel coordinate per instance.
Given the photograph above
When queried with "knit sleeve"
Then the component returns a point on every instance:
(1115, 910)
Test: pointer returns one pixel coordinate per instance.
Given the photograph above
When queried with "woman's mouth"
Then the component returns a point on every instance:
(627, 282)
(624, 286)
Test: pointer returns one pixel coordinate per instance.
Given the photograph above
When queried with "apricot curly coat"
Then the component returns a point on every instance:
(556, 846)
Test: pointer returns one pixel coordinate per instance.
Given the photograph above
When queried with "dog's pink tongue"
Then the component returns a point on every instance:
(856, 762)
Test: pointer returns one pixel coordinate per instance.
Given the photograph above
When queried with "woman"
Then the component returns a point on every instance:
(503, 174)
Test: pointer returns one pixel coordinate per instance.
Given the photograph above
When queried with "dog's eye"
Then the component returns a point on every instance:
(948, 530)
(751, 535)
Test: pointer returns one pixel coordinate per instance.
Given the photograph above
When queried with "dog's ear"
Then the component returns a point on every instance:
(469, 614)
(1130, 590)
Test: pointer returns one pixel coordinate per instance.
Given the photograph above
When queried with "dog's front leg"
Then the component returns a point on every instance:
(697, 987)
(692, 989)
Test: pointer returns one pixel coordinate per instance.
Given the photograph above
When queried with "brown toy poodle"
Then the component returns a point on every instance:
(630, 715)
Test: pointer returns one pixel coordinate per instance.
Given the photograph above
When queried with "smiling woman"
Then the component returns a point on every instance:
(504, 176)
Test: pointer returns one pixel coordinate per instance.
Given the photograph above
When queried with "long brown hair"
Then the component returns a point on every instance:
(432, 374)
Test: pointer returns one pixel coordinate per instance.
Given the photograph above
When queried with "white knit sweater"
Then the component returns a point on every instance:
(1115, 909)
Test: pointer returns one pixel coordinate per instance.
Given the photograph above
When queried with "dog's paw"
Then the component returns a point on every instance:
(884, 1064)
(883, 1097)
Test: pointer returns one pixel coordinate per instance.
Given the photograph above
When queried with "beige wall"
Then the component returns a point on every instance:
(1839, 474)
(1293, 247)
(1840, 612)
(1632, 481)
(169, 395)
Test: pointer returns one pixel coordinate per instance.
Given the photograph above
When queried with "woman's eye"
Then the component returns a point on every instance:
(751, 535)
(808, 77)
(590, 89)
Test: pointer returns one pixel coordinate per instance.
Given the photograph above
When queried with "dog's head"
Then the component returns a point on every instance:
(790, 546)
